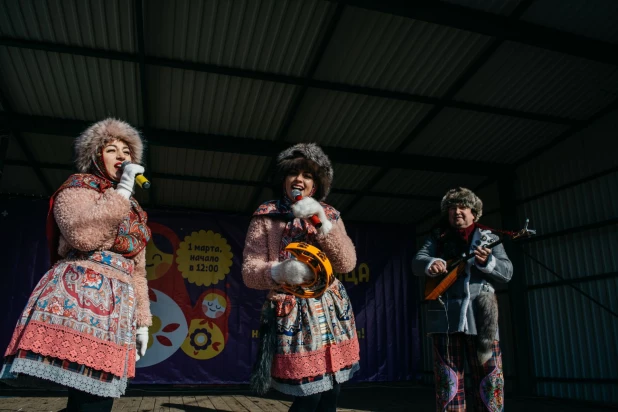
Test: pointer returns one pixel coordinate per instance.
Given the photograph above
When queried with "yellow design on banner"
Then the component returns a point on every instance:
(204, 258)
(204, 341)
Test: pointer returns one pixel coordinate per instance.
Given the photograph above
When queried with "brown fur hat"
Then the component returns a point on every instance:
(90, 142)
(463, 197)
(306, 156)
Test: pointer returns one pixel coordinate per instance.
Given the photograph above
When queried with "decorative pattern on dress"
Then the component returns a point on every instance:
(316, 338)
(78, 328)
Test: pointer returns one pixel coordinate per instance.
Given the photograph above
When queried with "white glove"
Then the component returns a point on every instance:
(291, 272)
(127, 180)
(307, 207)
(141, 342)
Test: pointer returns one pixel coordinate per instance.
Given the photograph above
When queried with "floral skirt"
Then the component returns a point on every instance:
(316, 342)
(77, 329)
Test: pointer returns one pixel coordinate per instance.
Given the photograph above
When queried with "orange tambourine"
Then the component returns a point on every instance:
(318, 262)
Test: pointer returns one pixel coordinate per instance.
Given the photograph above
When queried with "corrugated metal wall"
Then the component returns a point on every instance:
(571, 196)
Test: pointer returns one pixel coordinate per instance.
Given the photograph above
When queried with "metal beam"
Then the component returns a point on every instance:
(568, 133)
(279, 78)
(141, 59)
(494, 25)
(465, 76)
(269, 148)
(234, 182)
(518, 295)
(298, 98)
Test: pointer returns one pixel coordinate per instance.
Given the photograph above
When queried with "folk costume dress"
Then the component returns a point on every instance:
(316, 341)
(78, 327)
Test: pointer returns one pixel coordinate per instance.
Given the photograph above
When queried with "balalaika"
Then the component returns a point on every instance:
(437, 285)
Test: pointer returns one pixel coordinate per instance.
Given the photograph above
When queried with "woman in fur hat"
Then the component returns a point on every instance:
(464, 322)
(308, 346)
(86, 321)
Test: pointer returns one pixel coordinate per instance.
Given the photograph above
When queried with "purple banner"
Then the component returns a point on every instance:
(205, 320)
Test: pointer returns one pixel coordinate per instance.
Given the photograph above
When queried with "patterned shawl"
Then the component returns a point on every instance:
(133, 233)
(296, 229)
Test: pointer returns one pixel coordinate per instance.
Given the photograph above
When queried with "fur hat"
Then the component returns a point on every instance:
(90, 142)
(463, 197)
(310, 156)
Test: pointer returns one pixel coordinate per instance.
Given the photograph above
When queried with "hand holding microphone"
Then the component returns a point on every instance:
(309, 208)
(131, 173)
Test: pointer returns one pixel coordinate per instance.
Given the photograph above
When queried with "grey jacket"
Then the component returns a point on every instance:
(460, 299)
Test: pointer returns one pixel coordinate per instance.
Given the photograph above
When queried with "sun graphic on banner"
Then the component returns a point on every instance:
(204, 258)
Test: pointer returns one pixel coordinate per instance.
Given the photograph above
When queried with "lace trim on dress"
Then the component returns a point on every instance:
(65, 343)
(113, 389)
(311, 388)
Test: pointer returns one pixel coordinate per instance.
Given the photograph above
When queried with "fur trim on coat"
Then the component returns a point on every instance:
(90, 142)
(314, 153)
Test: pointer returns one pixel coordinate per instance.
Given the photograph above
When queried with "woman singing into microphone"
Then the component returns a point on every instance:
(309, 345)
(86, 321)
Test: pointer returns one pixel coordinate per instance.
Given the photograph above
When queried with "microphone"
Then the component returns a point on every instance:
(139, 179)
(314, 219)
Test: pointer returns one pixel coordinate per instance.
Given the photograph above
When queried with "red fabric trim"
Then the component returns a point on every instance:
(65, 343)
(329, 359)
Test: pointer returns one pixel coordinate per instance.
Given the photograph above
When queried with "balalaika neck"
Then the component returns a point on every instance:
(468, 255)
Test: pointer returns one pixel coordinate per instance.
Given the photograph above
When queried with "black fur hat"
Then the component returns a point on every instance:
(306, 156)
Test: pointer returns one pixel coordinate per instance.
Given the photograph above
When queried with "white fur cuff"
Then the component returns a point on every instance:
(431, 262)
(489, 267)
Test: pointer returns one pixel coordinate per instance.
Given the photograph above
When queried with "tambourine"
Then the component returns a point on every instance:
(318, 262)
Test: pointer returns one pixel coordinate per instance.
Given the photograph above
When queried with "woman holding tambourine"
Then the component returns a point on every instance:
(308, 334)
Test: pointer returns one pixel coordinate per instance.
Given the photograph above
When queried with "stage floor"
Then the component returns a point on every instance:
(372, 397)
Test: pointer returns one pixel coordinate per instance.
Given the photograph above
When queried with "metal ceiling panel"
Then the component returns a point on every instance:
(462, 134)
(340, 202)
(266, 35)
(354, 121)
(56, 177)
(596, 19)
(50, 149)
(94, 24)
(381, 209)
(208, 164)
(424, 183)
(352, 177)
(210, 103)
(502, 7)
(14, 151)
(584, 154)
(527, 78)
(207, 196)
(73, 87)
(389, 52)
